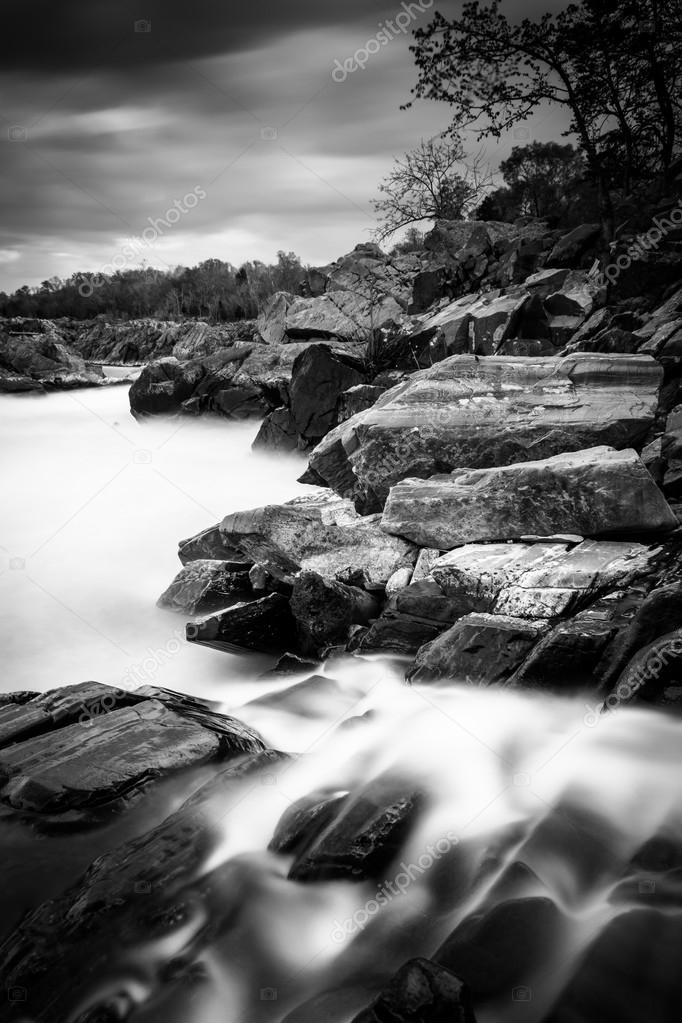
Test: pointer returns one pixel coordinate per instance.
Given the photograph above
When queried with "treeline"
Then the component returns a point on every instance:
(213, 290)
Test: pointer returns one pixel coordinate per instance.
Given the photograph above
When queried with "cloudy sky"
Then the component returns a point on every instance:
(115, 110)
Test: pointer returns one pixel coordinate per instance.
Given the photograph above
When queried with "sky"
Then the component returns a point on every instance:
(262, 126)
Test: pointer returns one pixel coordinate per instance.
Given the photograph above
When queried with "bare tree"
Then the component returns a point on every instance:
(432, 182)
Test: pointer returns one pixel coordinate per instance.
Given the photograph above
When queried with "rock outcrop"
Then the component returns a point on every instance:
(33, 357)
(484, 412)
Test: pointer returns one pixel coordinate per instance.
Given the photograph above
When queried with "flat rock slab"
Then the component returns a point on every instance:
(483, 412)
(541, 580)
(96, 744)
(595, 492)
(479, 649)
(321, 534)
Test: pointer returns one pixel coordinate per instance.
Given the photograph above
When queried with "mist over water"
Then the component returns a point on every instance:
(93, 507)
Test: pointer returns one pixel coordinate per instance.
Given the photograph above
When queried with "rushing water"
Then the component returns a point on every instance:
(95, 504)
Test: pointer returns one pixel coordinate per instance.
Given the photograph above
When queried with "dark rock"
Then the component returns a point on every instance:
(654, 675)
(659, 613)
(277, 432)
(291, 664)
(162, 386)
(318, 379)
(421, 992)
(413, 617)
(364, 838)
(504, 948)
(315, 697)
(479, 649)
(576, 249)
(33, 356)
(305, 820)
(325, 610)
(204, 586)
(210, 545)
(357, 399)
(265, 625)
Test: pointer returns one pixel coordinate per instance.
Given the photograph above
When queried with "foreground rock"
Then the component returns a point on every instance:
(487, 412)
(80, 749)
(318, 534)
(421, 992)
(265, 625)
(204, 586)
(597, 492)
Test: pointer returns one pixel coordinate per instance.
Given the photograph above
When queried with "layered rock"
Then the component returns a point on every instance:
(34, 357)
(494, 411)
(595, 492)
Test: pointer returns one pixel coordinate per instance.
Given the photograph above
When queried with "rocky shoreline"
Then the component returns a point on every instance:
(494, 440)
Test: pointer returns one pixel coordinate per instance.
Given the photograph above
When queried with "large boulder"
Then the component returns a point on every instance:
(321, 534)
(319, 378)
(494, 411)
(577, 248)
(325, 610)
(595, 492)
(204, 586)
(265, 625)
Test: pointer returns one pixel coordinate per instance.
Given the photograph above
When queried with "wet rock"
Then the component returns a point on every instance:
(479, 649)
(265, 625)
(305, 820)
(204, 586)
(596, 492)
(658, 613)
(487, 412)
(654, 675)
(364, 838)
(541, 580)
(114, 748)
(325, 610)
(315, 697)
(277, 432)
(290, 664)
(504, 948)
(413, 617)
(318, 379)
(421, 992)
(318, 534)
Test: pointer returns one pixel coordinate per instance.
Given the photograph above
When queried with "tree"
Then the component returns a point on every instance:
(613, 65)
(425, 185)
(541, 177)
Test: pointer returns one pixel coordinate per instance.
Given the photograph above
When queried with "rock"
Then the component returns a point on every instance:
(421, 992)
(578, 295)
(265, 625)
(496, 951)
(162, 386)
(304, 820)
(290, 664)
(277, 432)
(204, 586)
(493, 320)
(147, 888)
(357, 399)
(318, 379)
(33, 356)
(398, 581)
(15, 383)
(325, 610)
(261, 581)
(576, 248)
(660, 612)
(318, 534)
(477, 413)
(479, 649)
(447, 330)
(595, 492)
(428, 556)
(116, 745)
(211, 545)
(415, 616)
(542, 580)
(364, 838)
(338, 315)
(315, 697)
(654, 675)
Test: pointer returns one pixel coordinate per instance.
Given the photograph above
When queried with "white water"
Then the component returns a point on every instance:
(93, 507)
(94, 504)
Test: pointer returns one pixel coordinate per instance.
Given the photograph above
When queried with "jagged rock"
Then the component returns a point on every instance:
(339, 315)
(277, 432)
(492, 319)
(576, 248)
(413, 617)
(204, 586)
(541, 580)
(318, 378)
(319, 534)
(265, 625)
(428, 556)
(325, 610)
(654, 675)
(162, 386)
(357, 399)
(148, 885)
(15, 383)
(210, 545)
(304, 820)
(447, 330)
(89, 746)
(398, 581)
(138, 341)
(496, 951)
(658, 613)
(291, 664)
(35, 351)
(595, 492)
(578, 295)
(421, 992)
(364, 837)
(474, 412)
(480, 649)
